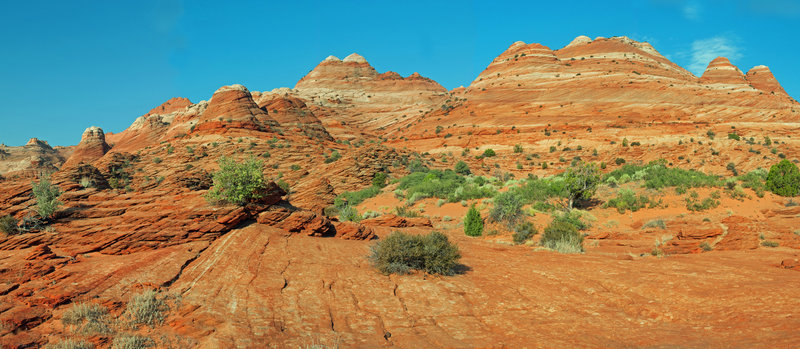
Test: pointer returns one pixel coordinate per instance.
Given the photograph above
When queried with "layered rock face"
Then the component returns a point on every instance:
(34, 157)
(607, 77)
(232, 107)
(92, 147)
(353, 92)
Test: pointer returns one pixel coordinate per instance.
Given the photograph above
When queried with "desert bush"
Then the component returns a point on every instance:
(523, 232)
(70, 344)
(349, 213)
(655, 223)
(446, 184)
(132, 341)
(628, 200)
(354, 198)
(87, 319)
(768, 243)
(783, 179)
(9, 225)
(489, 153)
(238, 183)
(733, 136)
(473, 223)
(656, 176)
(693, 202)
(755, 181)
(405, 211)
(399, 253)
(507, 208)
(379, 180)
(462, 168)
(147, 308)
(46, 195)
(333, 157)
(562, 236)
(619, 161)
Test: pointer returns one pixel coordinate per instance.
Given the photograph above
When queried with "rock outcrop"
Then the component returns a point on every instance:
(91, 147)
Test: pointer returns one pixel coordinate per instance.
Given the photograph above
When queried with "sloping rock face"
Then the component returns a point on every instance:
(353, 92)
(92, 147)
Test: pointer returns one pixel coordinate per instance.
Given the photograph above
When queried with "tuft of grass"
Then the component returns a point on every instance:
(147, 308)
(70, 344)
(132, 341)
(655, 223)
(87, 319)
(769, 243)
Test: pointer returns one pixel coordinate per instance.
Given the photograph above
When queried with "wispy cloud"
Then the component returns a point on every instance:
(691, 11)
(705, 50)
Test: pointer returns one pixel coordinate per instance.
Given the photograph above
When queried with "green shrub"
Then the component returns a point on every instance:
(517, 148)
(147, 308)
(443, 185)
(379, 180)
(489, 153)
(656, 176)
(46, 195)
(462, 168)
(627, 200)
(354, 198)
(238, 183)
(349, 213)
(399, 253)
(405, 211)
(784, 179)
(9, 225)
(693, 202)
(562, 236)
(87, 319)
(507, 208)
(132, 341)
(619, 161)
(733, 136)
(473, 223)
(333, 157)
(70, 344)
(523, 232)
(157, 160)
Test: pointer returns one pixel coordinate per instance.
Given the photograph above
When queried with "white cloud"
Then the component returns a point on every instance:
(691, 11)
(705, 50)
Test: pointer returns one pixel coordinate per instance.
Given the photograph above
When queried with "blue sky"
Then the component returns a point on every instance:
(65, 66)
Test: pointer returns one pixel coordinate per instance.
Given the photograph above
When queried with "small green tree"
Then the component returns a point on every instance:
(580, 182)
(462, 168)
(473, 223)
(238, 183)
(784, 179)
(399, 253)
(46, 195)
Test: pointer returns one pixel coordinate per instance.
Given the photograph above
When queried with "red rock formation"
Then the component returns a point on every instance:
(721, 71)
(232, 107)
(91, 147)
(170, 106)
(761, 78)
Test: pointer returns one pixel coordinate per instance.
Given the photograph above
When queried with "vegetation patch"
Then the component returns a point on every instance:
(784, 179)
(399, 253)
(238, 183)
(473, 223)
(563, 236)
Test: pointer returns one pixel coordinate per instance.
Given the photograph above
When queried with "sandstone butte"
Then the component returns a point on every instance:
(281, 273)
